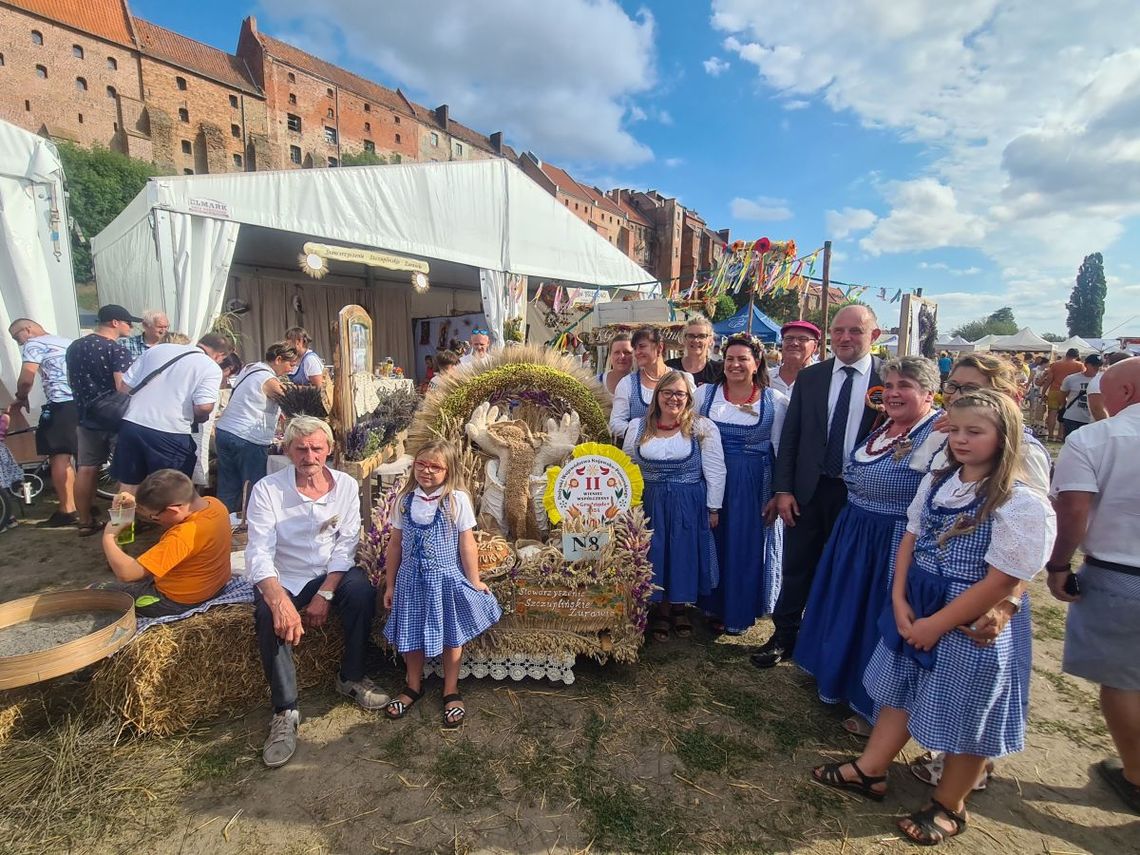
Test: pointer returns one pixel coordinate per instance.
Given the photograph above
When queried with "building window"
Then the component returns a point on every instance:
(115, 125)
(566, 202)
(37, 37)
(368, 126)
(187, 171)
(293, 122)
(397, 139)
(112, 63)
(333, 162)
(370, 146)
(28, 106)
(292, 98)
(397, 118)
(291, 77)
(235, 131)
(180, 82)
(183, 115)
(81, 118)
(434, 138)
(80, 84)
(111, 93)
(330, 135)
(77, 51)
(330, 92)
(233, 101)
(1, 60)
(367, 107)
(330, 113)
(41, 72)
(237, 161)
(295, 153)
(459, 148)
(187, 147)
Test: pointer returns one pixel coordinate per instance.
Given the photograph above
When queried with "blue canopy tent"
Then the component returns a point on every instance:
(763, 327)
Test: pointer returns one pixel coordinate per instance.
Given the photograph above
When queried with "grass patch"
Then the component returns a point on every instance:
(679, 699)
(623, 819)
(537, 768)
(702, 750)
(466, 775)
(1048, 622)
(787, 728)
(216, 762)
(1079, 734)
(399, 748)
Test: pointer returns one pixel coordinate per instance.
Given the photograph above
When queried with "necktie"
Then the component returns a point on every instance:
(833, 457)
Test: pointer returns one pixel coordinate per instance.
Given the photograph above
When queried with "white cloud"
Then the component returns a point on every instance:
(664, 117)
(636, 114)
(842, 223)
(761, 208)
(1027, 115)
(953, 271)
(716, 66)
(674, 162)
(796, 104)
(552, 83)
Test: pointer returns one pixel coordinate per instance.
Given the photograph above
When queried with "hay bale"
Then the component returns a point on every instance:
(179, 674)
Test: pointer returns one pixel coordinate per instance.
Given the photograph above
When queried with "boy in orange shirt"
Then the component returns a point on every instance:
(191, 561)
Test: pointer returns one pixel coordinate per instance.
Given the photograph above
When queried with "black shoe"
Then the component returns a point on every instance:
(61, 520)
(772, 653)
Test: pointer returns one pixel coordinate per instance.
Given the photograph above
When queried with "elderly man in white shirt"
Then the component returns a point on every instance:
(1096, 490)
(304, 527)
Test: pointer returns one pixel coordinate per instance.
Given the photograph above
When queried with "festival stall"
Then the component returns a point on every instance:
(1024, 340)
(1077, 343)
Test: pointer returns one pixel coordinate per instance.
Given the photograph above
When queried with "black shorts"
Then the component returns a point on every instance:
(57, 431)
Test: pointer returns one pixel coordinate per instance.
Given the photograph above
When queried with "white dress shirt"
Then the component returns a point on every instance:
(424, 505)
(296, 539)
(860, 383)
(678, 447)
(777, 382)
(1101, 459)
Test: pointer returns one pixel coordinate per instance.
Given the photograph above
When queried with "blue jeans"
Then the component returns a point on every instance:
(239, 461)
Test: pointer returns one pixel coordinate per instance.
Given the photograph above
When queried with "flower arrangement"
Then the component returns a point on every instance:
(393, 414)
(302, 401)
(370, 555)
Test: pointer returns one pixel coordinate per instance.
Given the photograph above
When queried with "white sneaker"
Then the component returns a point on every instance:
(282, 741)
(363, 691)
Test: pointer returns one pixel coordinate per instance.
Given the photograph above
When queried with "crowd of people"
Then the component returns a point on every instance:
(891, 540)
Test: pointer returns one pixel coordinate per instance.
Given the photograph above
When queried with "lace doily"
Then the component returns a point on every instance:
(557, 669)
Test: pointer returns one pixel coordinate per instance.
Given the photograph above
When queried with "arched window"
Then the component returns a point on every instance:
(180, 82)
(80, 84)
(37, 37)
(111, 93)
(112, 63)
(77, 51)
(41, 72)
(292, 78)
(183, 114)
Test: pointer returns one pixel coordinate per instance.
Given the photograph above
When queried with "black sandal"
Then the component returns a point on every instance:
(830, 776)
(659, 628)
(931, 833)
(396, 708)
(453, 716)
(681, 623)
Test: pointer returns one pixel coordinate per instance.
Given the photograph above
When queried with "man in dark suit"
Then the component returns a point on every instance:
(827, 417)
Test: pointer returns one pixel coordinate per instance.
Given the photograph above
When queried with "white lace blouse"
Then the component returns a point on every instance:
(1023, 529)
(677, 447)
(730, 414)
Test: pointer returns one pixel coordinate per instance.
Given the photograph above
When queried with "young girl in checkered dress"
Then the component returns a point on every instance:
(974, 532)
(436, 598)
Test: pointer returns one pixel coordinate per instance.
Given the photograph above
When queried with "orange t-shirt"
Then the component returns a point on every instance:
(191, 561)
(1058, 371)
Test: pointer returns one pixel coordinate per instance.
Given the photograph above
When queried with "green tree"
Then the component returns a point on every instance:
(1086, 303)
(100, 184)
(365, 158)
(1053, 337)
(1000, 322)
(725, 308)
(781, 308)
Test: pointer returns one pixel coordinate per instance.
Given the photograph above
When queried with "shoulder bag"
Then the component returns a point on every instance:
(107, 413)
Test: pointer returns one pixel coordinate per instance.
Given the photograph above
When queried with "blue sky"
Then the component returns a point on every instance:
(977, 150)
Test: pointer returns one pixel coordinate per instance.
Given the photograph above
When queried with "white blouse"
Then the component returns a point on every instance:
(862, 456)
(619, 413)
(730, 414)
(1035, 463)
(424, 505)
(677, 447)
(1023, 531)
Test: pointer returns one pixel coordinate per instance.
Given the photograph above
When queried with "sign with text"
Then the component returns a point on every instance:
(577, 546)
(586, 608)
(593, 488)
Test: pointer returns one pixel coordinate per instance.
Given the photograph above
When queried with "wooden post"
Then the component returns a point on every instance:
(825, 290)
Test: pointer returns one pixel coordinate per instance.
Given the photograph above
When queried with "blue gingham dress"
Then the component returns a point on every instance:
(637, 407)
(975, 699)
(852, 582)
(681, 550)
(434, 605)
(749, 553)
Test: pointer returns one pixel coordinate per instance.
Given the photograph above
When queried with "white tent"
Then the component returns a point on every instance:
(1025, 340)
(957, 344)
(890, 342)
(985, 341)
(190, 244)
(1076, 342)
(35, 257)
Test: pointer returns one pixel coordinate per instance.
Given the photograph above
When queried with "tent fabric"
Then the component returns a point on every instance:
(763, 327)
(1079, 343)
(35, 255)
(1024, 339)
(486, 214)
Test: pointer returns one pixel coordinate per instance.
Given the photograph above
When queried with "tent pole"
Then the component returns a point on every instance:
(825, 284)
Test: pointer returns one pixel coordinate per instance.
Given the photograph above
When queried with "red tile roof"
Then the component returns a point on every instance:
(366, 89)
(563, 181)
(194, 56)
(105, 19)
(634, 215)
(461, 132)
(602, 201)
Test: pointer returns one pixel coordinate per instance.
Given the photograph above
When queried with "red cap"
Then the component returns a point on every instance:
(805, 326)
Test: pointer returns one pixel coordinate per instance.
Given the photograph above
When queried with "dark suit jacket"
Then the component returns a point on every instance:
(803, 441)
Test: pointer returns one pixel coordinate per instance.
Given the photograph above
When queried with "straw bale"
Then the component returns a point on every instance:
(179, 674)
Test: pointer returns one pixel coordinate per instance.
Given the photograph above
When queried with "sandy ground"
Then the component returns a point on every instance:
(690, 750)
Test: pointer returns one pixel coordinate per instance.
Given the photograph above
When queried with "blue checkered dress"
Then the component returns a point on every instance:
(434, 606)
(975, 699)
(637, 407)
(681, 550)
(853, 579)
(749, 553)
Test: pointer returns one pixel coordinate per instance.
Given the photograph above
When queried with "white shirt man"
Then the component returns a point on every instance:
(480, 342)
(860, 383)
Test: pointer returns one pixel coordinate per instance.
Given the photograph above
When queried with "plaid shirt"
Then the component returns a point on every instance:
(136, 346)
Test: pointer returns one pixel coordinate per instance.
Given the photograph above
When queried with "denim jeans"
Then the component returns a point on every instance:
(239, 461)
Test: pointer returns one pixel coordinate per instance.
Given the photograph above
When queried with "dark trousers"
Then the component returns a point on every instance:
(355, 602)
(239, 462)
(803, 546)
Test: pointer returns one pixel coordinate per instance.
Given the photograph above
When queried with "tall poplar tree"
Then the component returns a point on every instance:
(1086, 303)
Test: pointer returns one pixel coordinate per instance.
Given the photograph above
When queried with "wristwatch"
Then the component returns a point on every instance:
(326, 595)
(1059, 566)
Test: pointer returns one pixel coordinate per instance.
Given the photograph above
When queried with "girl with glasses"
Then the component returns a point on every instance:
(681, 460)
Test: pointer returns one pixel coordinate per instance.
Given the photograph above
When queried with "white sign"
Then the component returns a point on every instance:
(209, 208)
(593, 488)
(584, 544)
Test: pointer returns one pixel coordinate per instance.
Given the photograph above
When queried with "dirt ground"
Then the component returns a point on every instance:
(691, 750)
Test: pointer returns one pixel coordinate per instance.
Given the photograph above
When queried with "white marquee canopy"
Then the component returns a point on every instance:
(475, 222)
